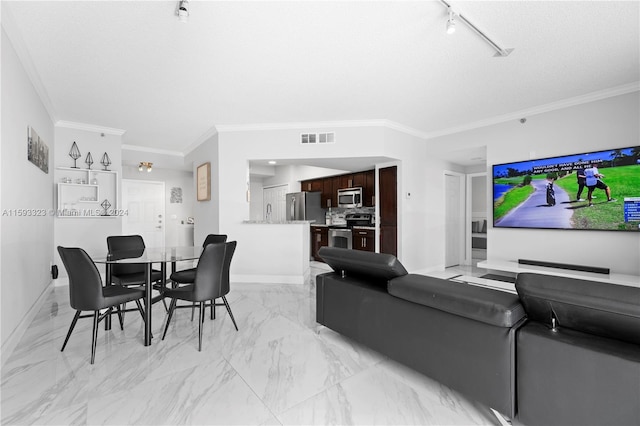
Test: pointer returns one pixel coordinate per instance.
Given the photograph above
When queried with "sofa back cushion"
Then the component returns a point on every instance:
(493, 307)
(603, 309)
(377, 267)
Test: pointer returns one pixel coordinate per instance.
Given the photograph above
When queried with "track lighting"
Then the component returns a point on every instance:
(451, 29)
(183, 10)
(451, 24)
(145, 164)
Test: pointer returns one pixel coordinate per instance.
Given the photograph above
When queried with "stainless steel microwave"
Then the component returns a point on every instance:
(349, 198)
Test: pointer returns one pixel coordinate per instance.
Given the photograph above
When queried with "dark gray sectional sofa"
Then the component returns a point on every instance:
(495, 347)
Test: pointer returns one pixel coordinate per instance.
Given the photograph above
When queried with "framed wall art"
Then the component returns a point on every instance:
(203, 182)
(37, 150)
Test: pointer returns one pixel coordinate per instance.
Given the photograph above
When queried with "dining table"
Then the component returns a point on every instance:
(148, 257)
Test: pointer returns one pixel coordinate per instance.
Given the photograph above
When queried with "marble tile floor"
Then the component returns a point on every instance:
(280, 368)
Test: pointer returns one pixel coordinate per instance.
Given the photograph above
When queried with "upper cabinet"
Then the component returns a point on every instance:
(329, 187)
(312, 185)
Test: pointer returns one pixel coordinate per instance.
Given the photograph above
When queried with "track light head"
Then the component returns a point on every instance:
(451, 23)
(183, 10)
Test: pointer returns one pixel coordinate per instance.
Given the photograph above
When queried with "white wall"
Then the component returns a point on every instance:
(176, 214)
(604, 124)
(26, 243)
(88, 233)
(206, 213)
(420, 218)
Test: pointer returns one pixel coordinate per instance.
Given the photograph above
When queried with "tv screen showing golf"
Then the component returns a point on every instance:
(594, 190)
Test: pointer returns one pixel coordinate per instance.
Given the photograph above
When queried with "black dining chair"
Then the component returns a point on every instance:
(86, 293)
(188, 276)
(132, 274)
(211, 282)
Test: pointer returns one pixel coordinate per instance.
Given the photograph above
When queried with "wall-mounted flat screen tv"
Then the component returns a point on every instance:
(592, 190)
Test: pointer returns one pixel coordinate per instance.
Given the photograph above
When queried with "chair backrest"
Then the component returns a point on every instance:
(212, 273)
(214, 239)
(224, 279)
(85, 284)
(209, 272)
(124, 243)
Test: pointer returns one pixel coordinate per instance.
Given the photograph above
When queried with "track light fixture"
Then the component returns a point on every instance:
(451, 29)
(183, 10)
(451, 23)
(145, 164)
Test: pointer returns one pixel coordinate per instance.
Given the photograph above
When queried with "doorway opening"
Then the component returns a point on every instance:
(454, 190)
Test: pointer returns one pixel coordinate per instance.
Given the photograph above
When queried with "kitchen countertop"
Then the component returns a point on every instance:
(324, 225)
(281, 222)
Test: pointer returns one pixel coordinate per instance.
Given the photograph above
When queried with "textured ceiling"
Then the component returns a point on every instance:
(132, 65)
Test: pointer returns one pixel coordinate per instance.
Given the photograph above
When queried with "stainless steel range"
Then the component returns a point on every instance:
(341, 236)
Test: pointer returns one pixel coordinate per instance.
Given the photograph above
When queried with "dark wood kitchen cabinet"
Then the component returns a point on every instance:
(329, 187)
(369, 188)
(363, 239)
(388, 180)
(319, 238)
(330, 191)
(312, 185)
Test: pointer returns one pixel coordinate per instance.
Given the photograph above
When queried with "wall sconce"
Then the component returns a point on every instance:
(145, 164)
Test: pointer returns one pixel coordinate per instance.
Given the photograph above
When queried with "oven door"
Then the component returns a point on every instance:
(340, 238)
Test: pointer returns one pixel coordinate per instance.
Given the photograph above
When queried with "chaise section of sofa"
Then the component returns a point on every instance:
(578, 359)
(460, 335)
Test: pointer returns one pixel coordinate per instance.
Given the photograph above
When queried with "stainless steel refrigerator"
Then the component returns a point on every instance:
(304, 206)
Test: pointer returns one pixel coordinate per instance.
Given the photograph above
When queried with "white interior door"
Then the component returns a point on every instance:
(144, 201)
(274, 203)
(454, 218)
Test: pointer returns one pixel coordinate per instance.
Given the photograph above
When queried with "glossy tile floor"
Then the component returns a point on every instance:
(279, 368)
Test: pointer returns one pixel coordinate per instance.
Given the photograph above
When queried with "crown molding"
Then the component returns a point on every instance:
(205, 136)
(226, 128)
(15, 37)
(138, 148)
(554, 106)
(89, 127)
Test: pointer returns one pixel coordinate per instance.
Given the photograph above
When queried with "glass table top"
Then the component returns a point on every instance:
(151, 255)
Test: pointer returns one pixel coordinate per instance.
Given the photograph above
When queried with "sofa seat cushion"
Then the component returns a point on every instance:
(379, 268)
(483, 304)
(603, 309)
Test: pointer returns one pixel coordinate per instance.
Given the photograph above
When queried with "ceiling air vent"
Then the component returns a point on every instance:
(315, 138)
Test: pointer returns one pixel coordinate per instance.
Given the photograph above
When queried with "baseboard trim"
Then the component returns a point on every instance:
(14, 338)
(271, 279)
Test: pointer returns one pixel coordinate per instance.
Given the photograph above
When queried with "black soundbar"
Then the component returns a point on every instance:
(584, 268)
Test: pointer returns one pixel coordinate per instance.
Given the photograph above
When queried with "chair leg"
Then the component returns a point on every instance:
(213, 309)
(141, 310)
(71, 327)
(96, 316)
(172, 307)
(226, 304)
(193, 309)
(201, 320)
(120, 317)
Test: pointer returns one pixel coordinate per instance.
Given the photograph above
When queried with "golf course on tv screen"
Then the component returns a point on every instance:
(595, 190)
